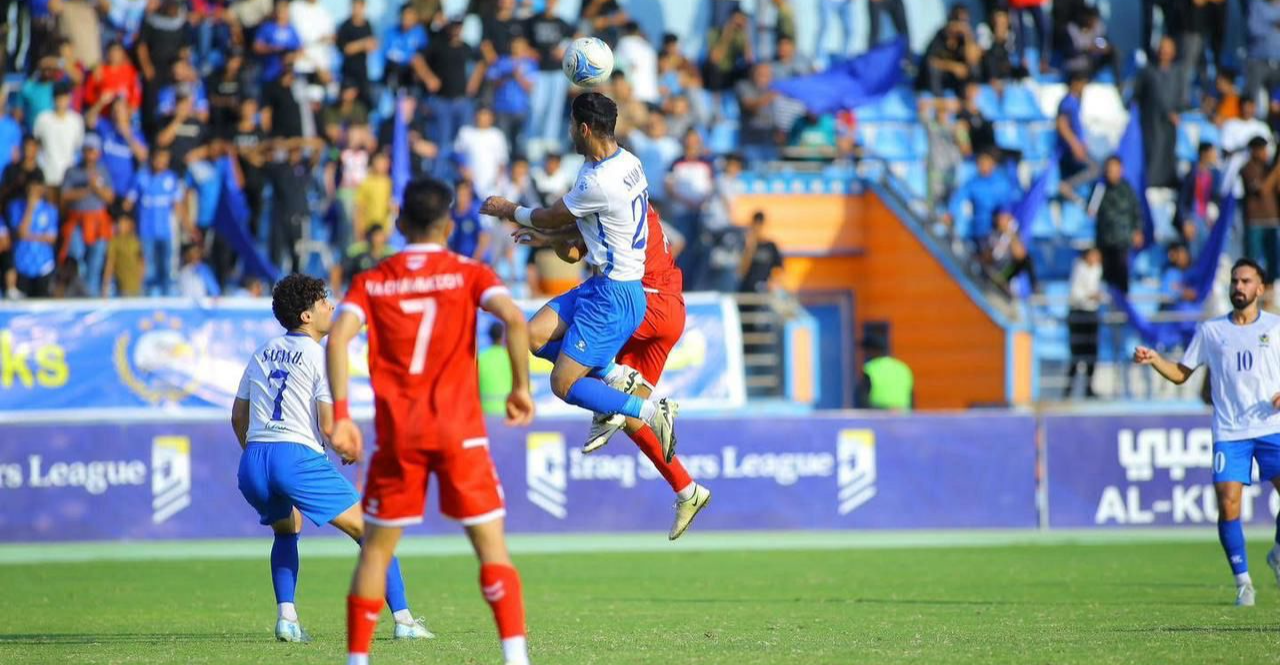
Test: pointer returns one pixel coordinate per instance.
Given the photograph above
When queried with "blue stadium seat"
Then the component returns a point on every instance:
(1020, 103)
(918, 179)
(1009, 135)
(892, 142)
(989, 103)
(919, 141)
(724, 137)
(1075, 222)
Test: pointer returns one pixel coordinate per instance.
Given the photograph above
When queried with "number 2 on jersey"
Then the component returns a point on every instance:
(640, 211)
(1244, 361)
(427, 308)
(278, 413)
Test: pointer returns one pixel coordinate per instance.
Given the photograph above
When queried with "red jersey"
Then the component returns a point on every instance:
(420, 309)
(660, 271)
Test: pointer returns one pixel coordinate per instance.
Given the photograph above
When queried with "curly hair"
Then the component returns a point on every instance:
(294, 295)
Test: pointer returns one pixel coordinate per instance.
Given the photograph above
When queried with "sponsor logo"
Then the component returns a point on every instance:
(1158, 490)
(157, 360)
(545, 472)
(856, 474)
(170, 477)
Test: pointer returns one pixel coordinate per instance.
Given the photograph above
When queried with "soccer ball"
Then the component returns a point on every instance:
(588, 62)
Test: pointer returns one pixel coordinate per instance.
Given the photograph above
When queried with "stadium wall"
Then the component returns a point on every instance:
(107, 481)
(176, 478)
(940, 325)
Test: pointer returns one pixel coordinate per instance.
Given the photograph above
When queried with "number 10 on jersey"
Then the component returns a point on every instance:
(1244, 361)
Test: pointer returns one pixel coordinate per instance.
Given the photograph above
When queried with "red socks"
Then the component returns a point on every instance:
(674, 472)
(362, 620)
(501, 587)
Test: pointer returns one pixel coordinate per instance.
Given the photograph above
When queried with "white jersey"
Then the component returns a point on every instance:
(282, 383)
(1244, 373)
(611, 201)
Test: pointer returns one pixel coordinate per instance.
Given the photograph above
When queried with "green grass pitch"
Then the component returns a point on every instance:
(1053, 602)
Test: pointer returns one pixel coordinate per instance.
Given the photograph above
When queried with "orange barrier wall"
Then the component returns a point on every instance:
(959, 354)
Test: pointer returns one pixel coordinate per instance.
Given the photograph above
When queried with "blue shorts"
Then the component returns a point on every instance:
(602, 314)
(275, 477)
(1233, 460)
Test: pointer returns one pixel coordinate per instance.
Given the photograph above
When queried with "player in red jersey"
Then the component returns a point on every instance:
(641, 361)
(420, 309)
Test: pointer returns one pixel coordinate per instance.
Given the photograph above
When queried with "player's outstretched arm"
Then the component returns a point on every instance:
(555, 217)
(343, 434)
(240, 421)
(519, 402)
(1174, 372)
(567, 242)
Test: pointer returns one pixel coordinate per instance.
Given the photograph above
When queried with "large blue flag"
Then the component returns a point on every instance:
(231, 222)
(1133, 156)
(850, 83)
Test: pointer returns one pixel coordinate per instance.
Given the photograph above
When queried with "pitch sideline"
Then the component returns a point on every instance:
(533, 544)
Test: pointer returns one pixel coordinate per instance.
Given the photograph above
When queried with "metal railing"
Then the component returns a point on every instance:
(1115, 377)
(764, 359)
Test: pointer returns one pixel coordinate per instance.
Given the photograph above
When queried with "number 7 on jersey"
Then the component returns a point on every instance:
(427, 308)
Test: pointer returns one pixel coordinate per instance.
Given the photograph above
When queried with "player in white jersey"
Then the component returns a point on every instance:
(583, 330)
(280, 409)
(1242, 351)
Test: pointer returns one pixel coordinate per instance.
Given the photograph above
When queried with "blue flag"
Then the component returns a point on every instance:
(1201, 274)
(1036, 198)
(231, 222)
(850, 83)
(1132, 155)
(400, 167)
(1200, 277)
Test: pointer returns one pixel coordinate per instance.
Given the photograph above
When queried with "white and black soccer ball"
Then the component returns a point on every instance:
(588, 62)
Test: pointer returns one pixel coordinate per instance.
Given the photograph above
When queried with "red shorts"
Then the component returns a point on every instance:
(396, 492)
(648, 348)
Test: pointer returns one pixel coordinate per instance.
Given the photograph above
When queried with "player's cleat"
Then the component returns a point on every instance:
(1245, 596)
(688, 509)
(414, 631)
(1274, 563)
(291, 631)
(602, 429)
(664, 426)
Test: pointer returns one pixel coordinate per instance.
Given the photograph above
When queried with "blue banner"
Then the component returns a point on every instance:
(1132, 154)
(851, 83)
(174, 480)
(160, 358)
(1126, 471)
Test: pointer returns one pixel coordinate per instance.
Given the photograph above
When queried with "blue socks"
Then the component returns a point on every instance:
(396, 598)
(1231, 535)
(284, 566)
(593, 395)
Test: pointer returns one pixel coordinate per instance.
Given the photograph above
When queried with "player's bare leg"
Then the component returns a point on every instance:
(351, 522)
(284, 577)
(500, 584)
(1231, 535)
(368, 586)
(546, 327)
(691, 497)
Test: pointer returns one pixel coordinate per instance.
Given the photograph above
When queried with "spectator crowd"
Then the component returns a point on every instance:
(124, 123)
